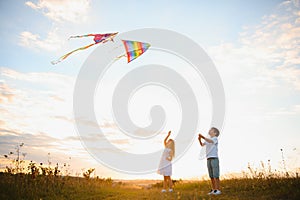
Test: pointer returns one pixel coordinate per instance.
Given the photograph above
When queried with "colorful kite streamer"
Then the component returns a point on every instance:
(98, 38)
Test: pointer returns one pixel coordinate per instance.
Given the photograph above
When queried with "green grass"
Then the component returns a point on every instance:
(22, 186)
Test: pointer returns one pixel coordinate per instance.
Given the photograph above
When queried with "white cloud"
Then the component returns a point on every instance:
(34, 41)
(59, 11)
(28, 100)
(62, 10)
(47, 78)
(268, 54)
(261, 77)
(6, 93)
(290, 111)
(296, 3)
(27, 107)
(290, 75)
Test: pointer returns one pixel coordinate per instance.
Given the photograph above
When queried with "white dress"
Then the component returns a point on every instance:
(165, 166)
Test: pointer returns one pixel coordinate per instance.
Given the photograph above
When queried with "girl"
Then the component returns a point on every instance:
(165, 165)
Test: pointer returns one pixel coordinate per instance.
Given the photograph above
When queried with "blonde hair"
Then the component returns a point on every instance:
(171, 145)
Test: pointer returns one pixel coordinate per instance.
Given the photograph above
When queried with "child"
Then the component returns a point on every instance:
(212, 158)
(165, 165)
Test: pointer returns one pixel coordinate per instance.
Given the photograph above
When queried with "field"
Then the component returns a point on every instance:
(25, 186)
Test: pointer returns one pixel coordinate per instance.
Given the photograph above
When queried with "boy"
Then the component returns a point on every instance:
(212, 158)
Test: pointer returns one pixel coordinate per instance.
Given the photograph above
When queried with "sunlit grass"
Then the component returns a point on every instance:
(24, 186)
(44, 181)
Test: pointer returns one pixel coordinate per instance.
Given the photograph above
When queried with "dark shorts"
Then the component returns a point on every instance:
(213, 167)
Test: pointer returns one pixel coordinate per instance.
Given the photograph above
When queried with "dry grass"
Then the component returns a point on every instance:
(41, 182)
(22, 186)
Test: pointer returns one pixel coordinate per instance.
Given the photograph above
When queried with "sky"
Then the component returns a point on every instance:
(255, 46)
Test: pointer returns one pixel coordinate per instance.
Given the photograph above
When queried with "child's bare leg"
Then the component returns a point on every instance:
(170, 183)
(213, 183)
(165, 182)
(217, 183)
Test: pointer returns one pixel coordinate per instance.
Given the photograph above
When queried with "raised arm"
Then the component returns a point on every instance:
(205, 138)
(200, 141)
(166, 139)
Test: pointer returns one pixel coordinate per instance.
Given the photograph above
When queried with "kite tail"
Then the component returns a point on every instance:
(66, 55)
(80, 36)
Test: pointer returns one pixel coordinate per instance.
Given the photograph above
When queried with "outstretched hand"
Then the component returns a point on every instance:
(165, 141)
(200, 136)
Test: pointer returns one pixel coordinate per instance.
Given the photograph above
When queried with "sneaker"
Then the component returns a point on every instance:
(211, 192)
(170, 190)
(216, 192)
(163, 190)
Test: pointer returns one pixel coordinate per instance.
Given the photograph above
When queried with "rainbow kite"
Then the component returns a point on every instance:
(98, 38)
(134, 49)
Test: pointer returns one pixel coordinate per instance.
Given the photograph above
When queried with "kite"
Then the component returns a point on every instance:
(98, 38)
(134, 49)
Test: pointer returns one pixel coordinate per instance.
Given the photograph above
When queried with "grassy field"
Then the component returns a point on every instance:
(24, 186)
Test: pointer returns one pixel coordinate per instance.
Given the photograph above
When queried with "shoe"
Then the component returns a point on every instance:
(163, 190)
(170, 190)
(211, 192)
(217, 192)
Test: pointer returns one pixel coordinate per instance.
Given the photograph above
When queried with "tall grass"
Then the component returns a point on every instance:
(45, 181)
(24, 186)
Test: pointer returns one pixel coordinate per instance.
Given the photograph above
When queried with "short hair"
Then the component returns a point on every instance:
(217, 132)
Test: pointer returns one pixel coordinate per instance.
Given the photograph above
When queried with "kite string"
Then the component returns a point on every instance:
(117, 58)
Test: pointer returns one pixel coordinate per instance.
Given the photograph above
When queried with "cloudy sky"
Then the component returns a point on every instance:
(255, 46)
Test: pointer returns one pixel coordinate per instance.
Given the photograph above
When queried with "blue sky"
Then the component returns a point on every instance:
(254, 45)
(209, 28)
